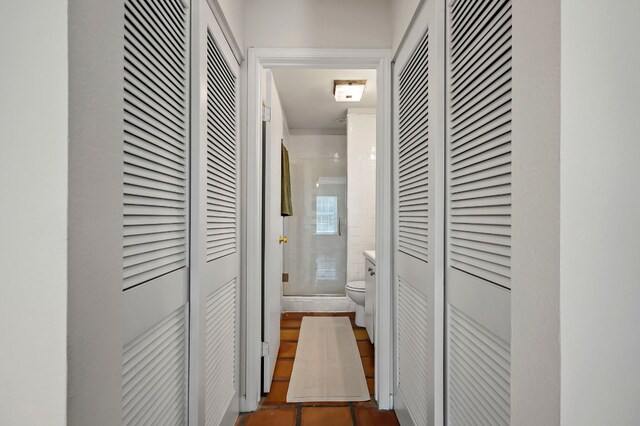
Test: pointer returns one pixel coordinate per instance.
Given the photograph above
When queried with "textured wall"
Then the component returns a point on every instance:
(314, 23)
(402, 12)
(33, 207)
(600, 226)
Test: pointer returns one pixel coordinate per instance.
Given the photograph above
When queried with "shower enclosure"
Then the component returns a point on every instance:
(315, 258)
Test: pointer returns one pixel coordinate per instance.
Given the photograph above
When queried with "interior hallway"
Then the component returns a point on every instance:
(114, 283)
(274, 409)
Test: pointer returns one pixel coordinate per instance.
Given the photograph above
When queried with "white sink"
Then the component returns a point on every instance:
(371, 255)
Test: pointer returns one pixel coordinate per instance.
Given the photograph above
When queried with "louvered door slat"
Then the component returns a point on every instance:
(151, 79)
(157, 124)
(474, 94)
(143, 192)
(411, 159)
(155, 142)
(461, 9)
(480, 371)
(147, 52)
(413, 333)
(468, 36)
(487, 142)
(490, 166)
(151, 238)
(416, 139)
(221, 154)
(220, 352)
(141, 136)
(413, 124)
(418, 59)
(220, 162)
(414, 180)
(163, 171)
(480, 141)
(217, 112)
(154, 32)
(484, 103)
(483, 66)
(491, 113)
(155, 375)
(492, 39)
(153, 98)
(413, 148)
(495, 148)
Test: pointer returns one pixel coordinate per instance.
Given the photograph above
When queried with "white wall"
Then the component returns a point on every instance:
(600, 178)
(361, 190)
(402, 12)
(234, 14)
(316, 145)
(33, 208)
(320, 24)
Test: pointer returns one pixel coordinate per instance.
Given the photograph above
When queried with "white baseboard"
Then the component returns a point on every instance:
(317, 304)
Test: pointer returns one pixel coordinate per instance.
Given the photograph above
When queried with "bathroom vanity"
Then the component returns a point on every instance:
(370, 292)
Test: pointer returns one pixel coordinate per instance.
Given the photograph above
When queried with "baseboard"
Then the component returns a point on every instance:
(317, 304)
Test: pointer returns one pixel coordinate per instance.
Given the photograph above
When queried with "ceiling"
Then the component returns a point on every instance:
(307, 97)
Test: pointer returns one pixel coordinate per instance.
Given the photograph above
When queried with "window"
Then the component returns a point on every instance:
(326, 215)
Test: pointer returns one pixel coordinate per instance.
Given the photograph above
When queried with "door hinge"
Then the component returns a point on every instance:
(265, 348)
(266, 114)
(285, 277)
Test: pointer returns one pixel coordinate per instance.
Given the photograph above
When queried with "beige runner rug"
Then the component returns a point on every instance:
(327, 366)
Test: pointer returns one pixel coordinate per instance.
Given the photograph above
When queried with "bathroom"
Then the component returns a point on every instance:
(325, 120)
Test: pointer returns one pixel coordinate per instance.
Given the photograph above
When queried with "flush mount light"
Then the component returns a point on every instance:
(348, 90)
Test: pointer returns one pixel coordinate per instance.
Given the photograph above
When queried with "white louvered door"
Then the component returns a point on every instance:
(478, 272)
(418, 171)
(156, 194)
(215, 269)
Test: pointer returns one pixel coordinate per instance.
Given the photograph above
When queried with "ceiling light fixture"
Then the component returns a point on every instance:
(348, 90)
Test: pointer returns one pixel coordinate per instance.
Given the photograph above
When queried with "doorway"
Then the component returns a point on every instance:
(332, 222)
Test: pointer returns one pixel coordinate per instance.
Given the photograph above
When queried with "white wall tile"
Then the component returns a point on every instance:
(361, 190)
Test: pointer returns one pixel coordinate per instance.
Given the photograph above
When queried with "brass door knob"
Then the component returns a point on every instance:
(284, 240)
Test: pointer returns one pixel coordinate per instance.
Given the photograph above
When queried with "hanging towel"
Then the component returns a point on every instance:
(286, 208)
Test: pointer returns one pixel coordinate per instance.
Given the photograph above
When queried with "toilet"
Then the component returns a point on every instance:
(355, 291)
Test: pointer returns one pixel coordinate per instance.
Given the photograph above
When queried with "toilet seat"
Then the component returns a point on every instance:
(357, 286)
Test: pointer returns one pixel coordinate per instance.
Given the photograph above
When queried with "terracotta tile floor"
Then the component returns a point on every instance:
(274, 409)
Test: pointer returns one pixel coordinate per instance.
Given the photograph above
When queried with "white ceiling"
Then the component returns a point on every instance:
(307, 97)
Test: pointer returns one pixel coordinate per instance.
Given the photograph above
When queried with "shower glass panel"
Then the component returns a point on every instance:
(316, 256)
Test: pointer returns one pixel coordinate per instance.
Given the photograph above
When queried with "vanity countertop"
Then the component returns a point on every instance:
(371, 255)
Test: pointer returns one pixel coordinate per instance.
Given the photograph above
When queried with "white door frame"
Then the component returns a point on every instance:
(260, 58)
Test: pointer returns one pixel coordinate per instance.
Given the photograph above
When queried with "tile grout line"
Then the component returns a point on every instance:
(299, 415)
(354, 420)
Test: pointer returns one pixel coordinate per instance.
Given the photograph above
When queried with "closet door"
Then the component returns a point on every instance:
(156, 192)
(478, 273)
(418, 176)
(215, 295)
